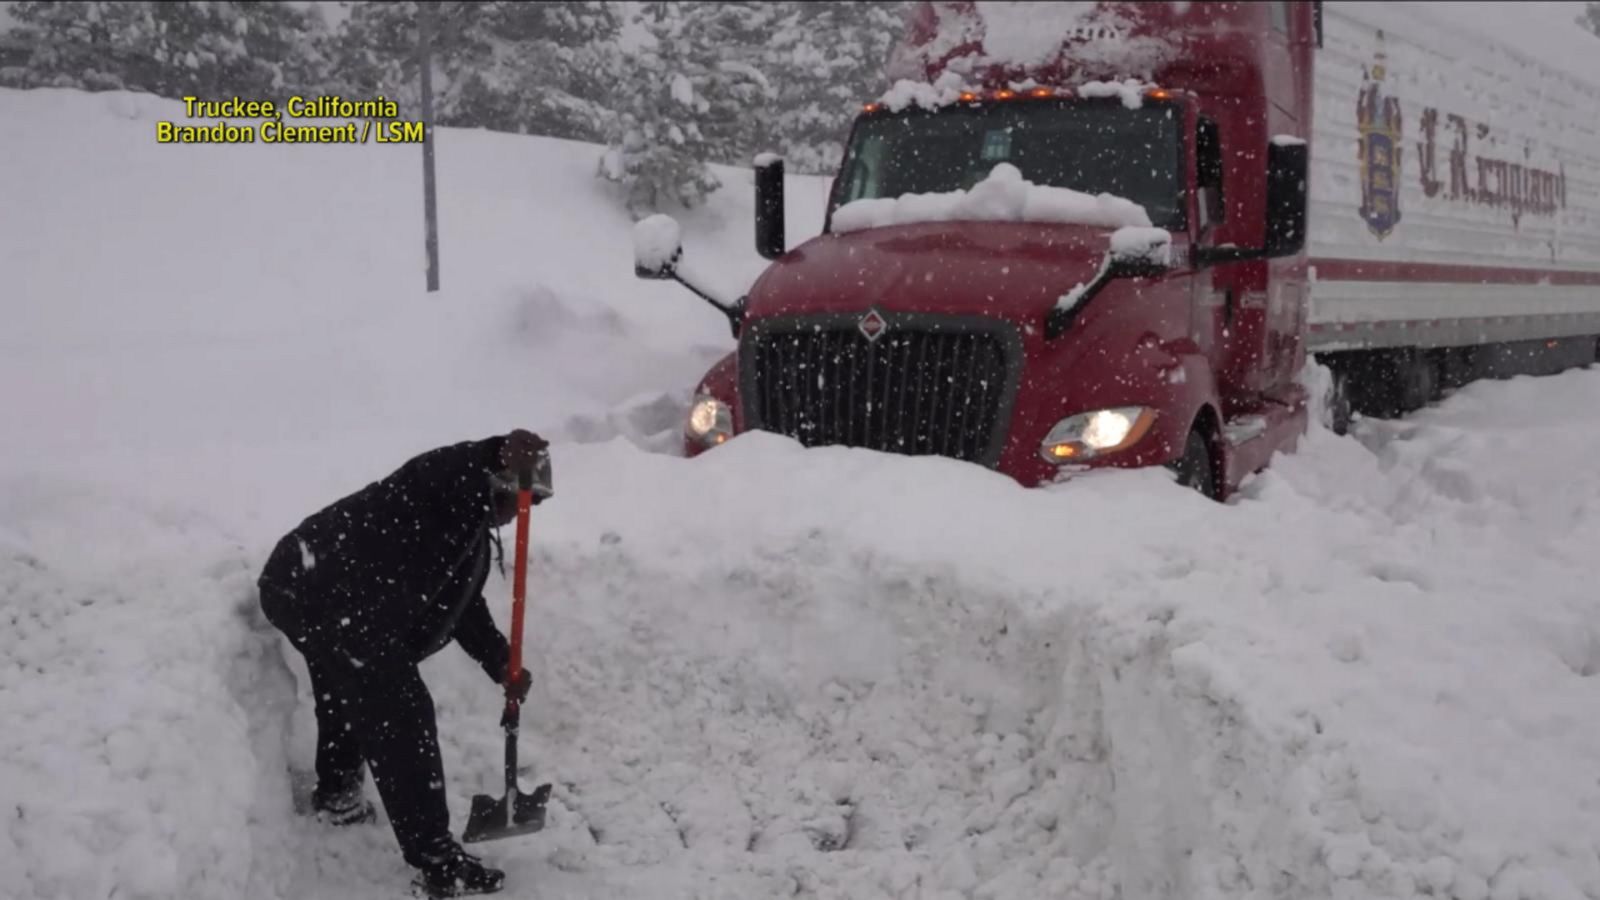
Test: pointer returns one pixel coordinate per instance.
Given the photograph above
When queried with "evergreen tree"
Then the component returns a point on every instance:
(1590, 17)
(549, 69)
(536, 68)
(656, 149)
(829, 59)
(694, 94)
(376, 53)
(730, 40)
(170, 49)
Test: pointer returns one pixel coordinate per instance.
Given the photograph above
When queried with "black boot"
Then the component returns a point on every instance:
(343, 806)
(453, 872)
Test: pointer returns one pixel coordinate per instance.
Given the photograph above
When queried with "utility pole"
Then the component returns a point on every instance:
(425, 10)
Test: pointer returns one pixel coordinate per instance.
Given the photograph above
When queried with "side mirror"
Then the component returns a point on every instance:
(657, 247)
(770, 241)
(1139, 253)
(1134, 253)
(658, 256)
(1287, 159)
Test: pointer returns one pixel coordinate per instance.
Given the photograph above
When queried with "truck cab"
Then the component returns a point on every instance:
(1024, 337)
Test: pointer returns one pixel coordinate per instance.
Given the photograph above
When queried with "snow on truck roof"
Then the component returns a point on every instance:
(951, 88)
(970, 38)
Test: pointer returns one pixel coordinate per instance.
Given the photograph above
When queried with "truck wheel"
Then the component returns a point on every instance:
(1337, 409)
(1194, 467)
(1421, 384)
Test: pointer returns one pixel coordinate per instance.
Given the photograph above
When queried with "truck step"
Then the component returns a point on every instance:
(1244, 429)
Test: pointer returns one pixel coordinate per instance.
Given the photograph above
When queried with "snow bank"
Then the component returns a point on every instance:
(142, 315)
(767, 671)
(795, 671)
(125, 753)
(1002, 196)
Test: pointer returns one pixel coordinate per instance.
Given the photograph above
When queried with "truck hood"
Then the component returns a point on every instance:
(1005, 269)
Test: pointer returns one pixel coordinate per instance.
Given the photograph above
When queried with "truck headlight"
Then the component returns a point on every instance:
(710, 421)
(1091, 434)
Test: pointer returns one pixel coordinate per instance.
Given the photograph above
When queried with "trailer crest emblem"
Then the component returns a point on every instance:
(1379, 147)
(872, 326)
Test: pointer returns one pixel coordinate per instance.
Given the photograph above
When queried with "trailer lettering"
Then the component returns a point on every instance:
(1459, 188)
(1425, 154)
(1484, 180)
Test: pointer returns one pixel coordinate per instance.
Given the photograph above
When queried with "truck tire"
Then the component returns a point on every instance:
(1194, 468)
(1420, 386)
(1338, 410)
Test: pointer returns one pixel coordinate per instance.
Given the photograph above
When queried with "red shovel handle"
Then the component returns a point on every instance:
(519, 588)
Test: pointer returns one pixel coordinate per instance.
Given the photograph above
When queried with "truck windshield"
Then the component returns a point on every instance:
(1093, 147)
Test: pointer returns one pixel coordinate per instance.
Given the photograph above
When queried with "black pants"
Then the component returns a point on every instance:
(381, 716)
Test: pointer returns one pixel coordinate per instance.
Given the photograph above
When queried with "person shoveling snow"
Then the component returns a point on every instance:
(368, 588)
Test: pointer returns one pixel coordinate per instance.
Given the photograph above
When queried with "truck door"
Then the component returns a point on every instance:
(1210, 309)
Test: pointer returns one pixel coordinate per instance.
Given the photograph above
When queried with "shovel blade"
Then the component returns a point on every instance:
(516, 813)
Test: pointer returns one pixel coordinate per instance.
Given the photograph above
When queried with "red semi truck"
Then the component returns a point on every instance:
(1414, 207)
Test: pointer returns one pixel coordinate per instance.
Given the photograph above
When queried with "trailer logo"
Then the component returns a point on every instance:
(872, 326)
(1378, 119)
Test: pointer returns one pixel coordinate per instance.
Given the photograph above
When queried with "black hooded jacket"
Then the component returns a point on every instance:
(390, 574)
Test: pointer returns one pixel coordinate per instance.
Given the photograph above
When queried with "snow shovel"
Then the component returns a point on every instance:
(514, 813)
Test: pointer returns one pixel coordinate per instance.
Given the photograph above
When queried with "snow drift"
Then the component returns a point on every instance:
(766, 671)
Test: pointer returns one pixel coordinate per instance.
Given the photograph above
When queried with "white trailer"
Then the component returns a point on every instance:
(1455, 200)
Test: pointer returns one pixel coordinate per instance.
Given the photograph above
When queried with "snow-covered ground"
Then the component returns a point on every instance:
(764, 672)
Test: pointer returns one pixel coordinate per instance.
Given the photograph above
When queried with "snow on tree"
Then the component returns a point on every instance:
(1590, 17)
(84, 45)
(376, 53)
(533, 68)
(707, 83)
(732, 40)
(548, 70)
(169, 49)
(828, 59)
(695, 92)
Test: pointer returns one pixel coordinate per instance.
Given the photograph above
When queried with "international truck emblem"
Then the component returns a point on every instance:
(872, 326)
(1379, 149)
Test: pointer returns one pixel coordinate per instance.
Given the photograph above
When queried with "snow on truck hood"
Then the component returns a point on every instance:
(1005, 245)
(1003, 196)
(961, 267)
